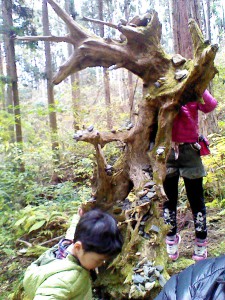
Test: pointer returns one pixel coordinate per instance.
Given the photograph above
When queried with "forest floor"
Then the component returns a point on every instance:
(12, 267)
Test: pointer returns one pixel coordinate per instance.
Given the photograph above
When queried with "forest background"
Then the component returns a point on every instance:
(45, 175)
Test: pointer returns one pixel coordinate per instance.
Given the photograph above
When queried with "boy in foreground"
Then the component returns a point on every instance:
(63, 271)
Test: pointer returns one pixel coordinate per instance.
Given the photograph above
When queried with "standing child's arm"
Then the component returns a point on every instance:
(210, 102)
(70, 231)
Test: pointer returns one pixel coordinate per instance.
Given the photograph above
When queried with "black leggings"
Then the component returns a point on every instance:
(194, 190)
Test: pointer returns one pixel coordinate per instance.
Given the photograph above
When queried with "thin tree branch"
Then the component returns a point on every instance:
(29, 245)
(100, 22)
(52, 240)
(25, 243)
(51, 38)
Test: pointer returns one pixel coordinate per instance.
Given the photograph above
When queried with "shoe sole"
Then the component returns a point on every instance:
(198, 258)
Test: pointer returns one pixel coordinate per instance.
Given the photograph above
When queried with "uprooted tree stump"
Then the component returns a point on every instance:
(168, 82)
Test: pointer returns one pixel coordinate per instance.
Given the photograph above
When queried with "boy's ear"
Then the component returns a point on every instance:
(77, 248)
(78, 245)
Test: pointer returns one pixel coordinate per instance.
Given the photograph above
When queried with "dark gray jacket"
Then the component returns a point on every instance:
(204, 280)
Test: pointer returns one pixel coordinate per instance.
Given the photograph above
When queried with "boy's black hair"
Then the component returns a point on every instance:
(99, 233)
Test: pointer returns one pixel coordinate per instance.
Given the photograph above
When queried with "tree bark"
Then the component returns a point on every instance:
(107, 99)
(168, 82)
(13, 103)
(194, 11)
(49, 76)
(181, 34)
(208, 14)
(131, 96)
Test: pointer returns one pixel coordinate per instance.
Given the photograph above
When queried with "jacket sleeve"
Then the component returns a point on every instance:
(53, 288)
(210, 103)
(169, 290)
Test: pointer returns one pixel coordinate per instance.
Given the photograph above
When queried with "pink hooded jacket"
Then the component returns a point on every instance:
(185, 125)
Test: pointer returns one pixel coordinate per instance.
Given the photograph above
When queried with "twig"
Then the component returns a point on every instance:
(50, 38)
(24, 242)
(100, 22)
(52, 240)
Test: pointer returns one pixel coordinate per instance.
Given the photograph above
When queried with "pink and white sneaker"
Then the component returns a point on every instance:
(200, 250)
(172, 247)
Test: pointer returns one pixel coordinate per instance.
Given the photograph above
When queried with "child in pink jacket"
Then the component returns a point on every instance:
(185, 161)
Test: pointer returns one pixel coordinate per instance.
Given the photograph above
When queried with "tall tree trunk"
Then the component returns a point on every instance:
(208, 123)
(194, 11)
(2, 82)
(223, 18)
(208, 14)
(181, 34)
(131, 96)
(204, 18)
(130, 76)
(7, 22)
(50, 91)
(105, 74)
(107, 98)
(12, 91)
(74, 78)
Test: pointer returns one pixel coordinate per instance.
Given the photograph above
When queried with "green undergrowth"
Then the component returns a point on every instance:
(25, 229)
(179, 265)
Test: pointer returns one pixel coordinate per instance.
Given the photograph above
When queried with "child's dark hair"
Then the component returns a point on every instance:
(99, 233)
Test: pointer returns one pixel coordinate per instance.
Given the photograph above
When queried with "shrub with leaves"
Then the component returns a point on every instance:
(215, 165)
